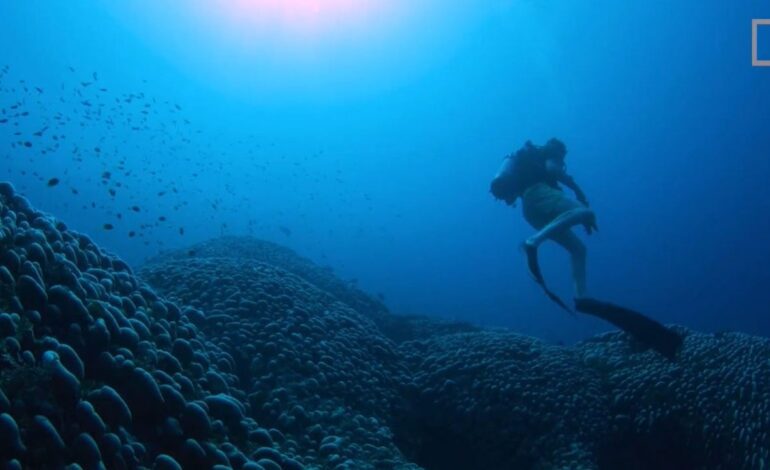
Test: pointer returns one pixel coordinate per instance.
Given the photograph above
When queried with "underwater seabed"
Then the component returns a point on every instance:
(238, 353)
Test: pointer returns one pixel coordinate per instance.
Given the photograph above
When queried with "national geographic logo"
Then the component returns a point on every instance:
(756, 26)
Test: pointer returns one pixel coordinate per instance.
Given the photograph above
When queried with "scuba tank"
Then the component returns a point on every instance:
(518, 171)
(503, 184)
(525, 168)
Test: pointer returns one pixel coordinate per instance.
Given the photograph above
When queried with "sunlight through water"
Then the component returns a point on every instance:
(294, 19)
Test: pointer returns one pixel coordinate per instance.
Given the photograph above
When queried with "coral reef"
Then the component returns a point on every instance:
(238, 353)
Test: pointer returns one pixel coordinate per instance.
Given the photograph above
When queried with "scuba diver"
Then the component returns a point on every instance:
(534, 174)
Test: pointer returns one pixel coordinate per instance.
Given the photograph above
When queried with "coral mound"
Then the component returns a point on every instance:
(500, 400)
(315, 367)
(266, 252)
(506, 401)
(98, 371)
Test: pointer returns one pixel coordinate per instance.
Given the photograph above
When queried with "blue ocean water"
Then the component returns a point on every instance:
(364, 135)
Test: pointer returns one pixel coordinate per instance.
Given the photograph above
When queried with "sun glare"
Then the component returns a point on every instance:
(297, 17)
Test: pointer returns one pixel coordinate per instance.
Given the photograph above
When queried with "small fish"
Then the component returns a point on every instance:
(85, 84)
(28, 144)
(131, 234)
(162, 218)
(181, 230)
(135, 208)
(53, 182)
(112, 192)
(285, 230)
(108, 226)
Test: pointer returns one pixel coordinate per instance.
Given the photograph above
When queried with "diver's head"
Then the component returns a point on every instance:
(555, 148)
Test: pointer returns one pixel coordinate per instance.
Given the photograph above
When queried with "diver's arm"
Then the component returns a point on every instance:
(558, 169)
(569, 182)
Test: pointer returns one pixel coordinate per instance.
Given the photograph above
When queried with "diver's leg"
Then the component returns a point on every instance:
(577, 251)
(560, 224)
(563, 222)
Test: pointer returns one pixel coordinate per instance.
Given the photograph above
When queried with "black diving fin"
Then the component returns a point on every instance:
(556, 299)
(642, 328)
(534, 269)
